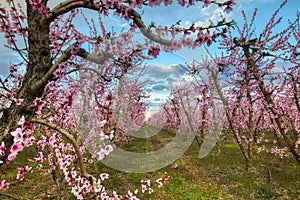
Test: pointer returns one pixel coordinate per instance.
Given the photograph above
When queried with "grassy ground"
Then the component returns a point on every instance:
(213, 177)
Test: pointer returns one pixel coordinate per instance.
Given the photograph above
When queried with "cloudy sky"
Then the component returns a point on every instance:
(165, 72)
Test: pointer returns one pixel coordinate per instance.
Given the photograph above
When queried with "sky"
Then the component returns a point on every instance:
(165, 72)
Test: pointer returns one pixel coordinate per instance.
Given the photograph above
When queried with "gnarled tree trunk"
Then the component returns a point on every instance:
(39, 63)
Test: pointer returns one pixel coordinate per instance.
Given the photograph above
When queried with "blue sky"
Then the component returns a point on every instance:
(165, 72)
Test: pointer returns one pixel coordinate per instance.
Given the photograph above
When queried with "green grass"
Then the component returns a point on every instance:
(213, 177)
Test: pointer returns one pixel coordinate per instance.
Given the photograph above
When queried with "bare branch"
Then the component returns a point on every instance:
(99, 59)
(147, 32)
(65, 7)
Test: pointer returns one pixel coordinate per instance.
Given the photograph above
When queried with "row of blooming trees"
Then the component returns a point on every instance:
(257, 79)
(64, 95)
(262, 88)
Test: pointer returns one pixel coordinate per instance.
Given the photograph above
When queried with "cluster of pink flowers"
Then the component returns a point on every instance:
(154, 51)
(2, 151)
(21, 171)
(37, 5)
(4, 185)
(22, 139)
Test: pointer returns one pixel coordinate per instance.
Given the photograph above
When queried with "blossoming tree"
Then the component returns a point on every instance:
(63, 70)
(264, 80)
(257, 80)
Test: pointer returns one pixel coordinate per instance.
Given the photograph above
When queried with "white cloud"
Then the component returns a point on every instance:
(207, 15)
(188, 79)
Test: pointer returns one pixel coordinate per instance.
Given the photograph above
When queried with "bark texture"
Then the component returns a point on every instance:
(38, 65)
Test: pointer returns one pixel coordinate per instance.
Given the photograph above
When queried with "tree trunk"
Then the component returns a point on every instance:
(39, 63)
(268, 98)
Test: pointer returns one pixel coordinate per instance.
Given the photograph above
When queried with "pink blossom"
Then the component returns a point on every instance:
(259, 149)
(150, 190)
(181, 2)
(39, 166)
(18, 135)
(144, 188)
(111, 135)
(21, 171)
(159, 182)
(104, 176)
(139, 3)
(3, 11)
(206, 3)
(20, 177)
(21, 121)
(16, 148)
(101, 154)
(14, 151)
(108, 149)
(39, 157)
(74, 50)
(148, 182)
(168, 2)
(3, 185)
(2, 149)
(209, 42)
(9, 95)
(38, 102)
(76, 190)
(18, 101)
(103, 123)
(154, 2)
(154, 51)
(130, 196)
(228, 9)
(174, 166)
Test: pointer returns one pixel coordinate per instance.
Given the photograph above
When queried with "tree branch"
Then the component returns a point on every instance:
(69, 5)
(48, 76)
(146, 32)
(4, 87)
(65, 7)
(74, 144)
(99, 59)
